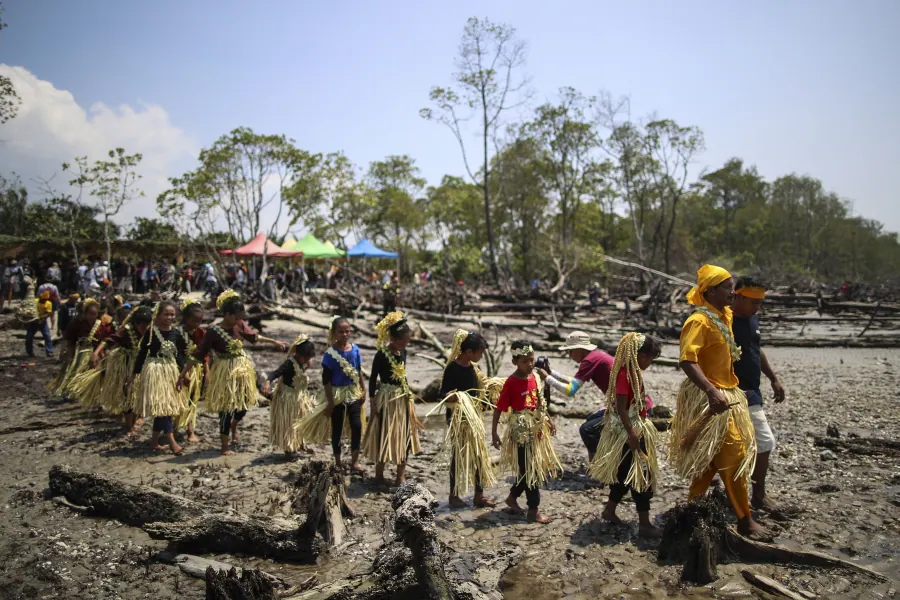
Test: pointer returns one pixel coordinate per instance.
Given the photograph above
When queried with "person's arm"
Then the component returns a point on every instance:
(182, 350)
(562, 383)
(199, 356)
(502, 406)
(448, 385)
(377, 366)
(495, 437)
(327, 374)
(143, 350)
(776, 383)
(693, 338)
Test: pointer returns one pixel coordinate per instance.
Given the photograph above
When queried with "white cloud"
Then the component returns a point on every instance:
(52, 128)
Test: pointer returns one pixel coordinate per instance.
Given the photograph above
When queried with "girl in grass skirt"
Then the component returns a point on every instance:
(393, 433)
(231, 386)
(159, 363)
(464, 390)
(191, 319)
(526, 448)
(341, 403)
(626, 455)
(88, 387)
(290, 400)
(82, 336)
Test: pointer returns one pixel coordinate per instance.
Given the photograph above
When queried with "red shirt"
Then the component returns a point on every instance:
(596, 367)
(623, 386)
(518, 394)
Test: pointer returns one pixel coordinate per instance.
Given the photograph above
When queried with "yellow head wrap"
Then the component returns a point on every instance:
(224, 297)
(188, 302)
(384, 326)
(753, 292)
(708, 276)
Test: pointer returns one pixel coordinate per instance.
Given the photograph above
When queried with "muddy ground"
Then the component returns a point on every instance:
(851, 503)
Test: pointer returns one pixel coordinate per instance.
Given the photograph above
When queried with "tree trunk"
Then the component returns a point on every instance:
(495, 274)
(106, 238)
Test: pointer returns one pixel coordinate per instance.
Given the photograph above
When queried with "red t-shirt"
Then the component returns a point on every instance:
(623, 386)
(518, 394)
(596, 367)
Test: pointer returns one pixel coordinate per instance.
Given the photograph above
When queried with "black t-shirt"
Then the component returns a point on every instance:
(749, 368)
(381, 370)
(457, 377)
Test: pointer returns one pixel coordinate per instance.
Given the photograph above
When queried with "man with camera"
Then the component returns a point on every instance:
(593, 365)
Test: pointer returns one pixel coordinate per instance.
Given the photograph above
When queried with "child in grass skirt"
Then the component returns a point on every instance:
(231, 386)
(88, 387)
(526, 448)
(464, 390)
(159, 362)
(118, 353)
(342, 401)
(626, 455)
(82, 336)
(393, 433)
(191, 319)
(290, 400)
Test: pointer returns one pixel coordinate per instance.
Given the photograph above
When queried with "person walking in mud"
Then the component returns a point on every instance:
(748, 297)
(712, 432)
(593, 365)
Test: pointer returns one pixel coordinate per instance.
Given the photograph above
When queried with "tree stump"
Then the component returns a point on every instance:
(325, 498)
(228, 585)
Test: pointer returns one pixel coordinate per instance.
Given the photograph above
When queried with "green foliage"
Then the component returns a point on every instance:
(152, 230)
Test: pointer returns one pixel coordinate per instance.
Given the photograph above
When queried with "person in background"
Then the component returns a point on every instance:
(51, 289)
(54, 275)
(67, 312)
(748, 297)
(6, 284)
(41, 323)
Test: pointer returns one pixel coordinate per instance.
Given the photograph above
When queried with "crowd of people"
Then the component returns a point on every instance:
(157, 361)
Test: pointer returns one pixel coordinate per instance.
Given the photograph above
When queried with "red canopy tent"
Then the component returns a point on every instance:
(256, 246)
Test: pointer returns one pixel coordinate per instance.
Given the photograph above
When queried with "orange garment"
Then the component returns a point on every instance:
(703, 343)
(726, 463)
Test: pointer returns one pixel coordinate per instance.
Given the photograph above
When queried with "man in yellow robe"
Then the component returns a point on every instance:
(712, 431)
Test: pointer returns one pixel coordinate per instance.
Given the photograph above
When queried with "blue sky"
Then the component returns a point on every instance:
(793, 86)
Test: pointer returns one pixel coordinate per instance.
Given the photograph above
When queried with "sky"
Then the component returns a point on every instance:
(797, 86)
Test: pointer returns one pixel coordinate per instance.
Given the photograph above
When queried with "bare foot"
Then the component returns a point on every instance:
(192, 439)
(357, 469)
(514, 507)
(157, 447)
(399, 481)
(227, 452)
(649, 531)
(611, 516)
(177, 450)
(456, 502)
(482, 502)
(754, 531)
(308, 450)
(534, 516)
(765, 503)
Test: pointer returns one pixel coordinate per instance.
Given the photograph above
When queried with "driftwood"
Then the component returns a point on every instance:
(698, 535)
(770, 586)
(228, 585)
(188, 524)
(325, 496)
(861, 445)
(196, 566)
(413, 565)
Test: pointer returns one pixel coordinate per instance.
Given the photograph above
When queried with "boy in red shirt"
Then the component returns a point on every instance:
(526, 448)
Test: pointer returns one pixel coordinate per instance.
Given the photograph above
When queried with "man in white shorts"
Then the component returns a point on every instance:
(748, 297)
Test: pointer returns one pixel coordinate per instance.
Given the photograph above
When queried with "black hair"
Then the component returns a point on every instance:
(232, 306)
(399, 329)
(749, 281)
(141, 315)
(166, 304)
(650, 347)
(147, 302)
(474, 341)
(190, 310)
(119, 313)
(519, 344)
(305, 349)
(338, 322)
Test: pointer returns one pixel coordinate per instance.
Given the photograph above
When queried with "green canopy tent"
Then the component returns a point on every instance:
(313, 248)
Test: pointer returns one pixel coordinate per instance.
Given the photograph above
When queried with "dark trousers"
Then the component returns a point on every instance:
(164, 424)
(44, 327)
(478, 488)
(617, 491)
(590, 432)
(337, 426)
(532, 494)
(227, 418)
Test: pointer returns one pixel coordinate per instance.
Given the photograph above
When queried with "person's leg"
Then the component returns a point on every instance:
(479, 500)
(168, 427)
(225, 419)
(454, 500)
(765, 443)
(337, 431)
(727, 462)
(235, 421)
(532, 494)
(512, 501)
(30, 330)
(590, 432)
(158, 429)
(355, 417)
(642, 504)
(48, 338)
(618, 490)
(701, 483)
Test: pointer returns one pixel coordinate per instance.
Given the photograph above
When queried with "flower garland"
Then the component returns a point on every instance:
(723, 329)
(234, 345)
(346, 367)
(398, 371)
(167, 349)
(299, 373)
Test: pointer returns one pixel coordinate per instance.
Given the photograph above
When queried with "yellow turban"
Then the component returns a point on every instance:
(708, 276)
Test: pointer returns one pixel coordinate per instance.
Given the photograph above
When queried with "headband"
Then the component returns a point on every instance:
(389, 323)
(523, 351)
(225, 297)
(753, 292)
(188, 302)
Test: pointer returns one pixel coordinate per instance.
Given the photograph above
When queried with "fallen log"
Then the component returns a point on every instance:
(770, 586)
(699, 535)
(196, 566)
(861, 445)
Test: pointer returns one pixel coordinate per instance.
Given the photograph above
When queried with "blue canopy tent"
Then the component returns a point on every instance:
(366, 249)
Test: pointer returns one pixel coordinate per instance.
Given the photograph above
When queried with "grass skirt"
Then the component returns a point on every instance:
(231, 386)
(693, 420)
(466, 445)
(644, 471)
(289, 405)
(315, 428)
(188, 418)
(80, 363)
(156, 395)
(87, 386)
(394, 431)
(531, 430)
(119, 364)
